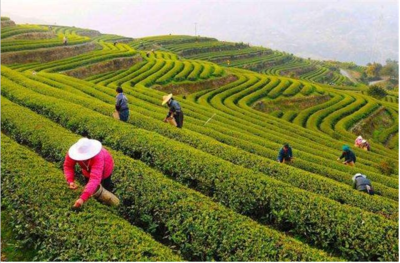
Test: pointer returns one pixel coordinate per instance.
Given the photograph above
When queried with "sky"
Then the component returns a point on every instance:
(361, 31)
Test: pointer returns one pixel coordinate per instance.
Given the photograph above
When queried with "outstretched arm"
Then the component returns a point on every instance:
(69, 166)
(96, 174)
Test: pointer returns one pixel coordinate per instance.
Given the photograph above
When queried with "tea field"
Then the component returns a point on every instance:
(212, 190)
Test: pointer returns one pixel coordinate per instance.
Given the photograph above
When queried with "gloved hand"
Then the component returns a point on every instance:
(78, 203)
(165, 120)
(72, 186)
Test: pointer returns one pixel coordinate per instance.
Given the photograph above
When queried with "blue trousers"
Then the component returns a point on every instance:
(124, 115)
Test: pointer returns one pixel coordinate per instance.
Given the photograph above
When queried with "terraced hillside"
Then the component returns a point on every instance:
(210, 191)
(241, 55)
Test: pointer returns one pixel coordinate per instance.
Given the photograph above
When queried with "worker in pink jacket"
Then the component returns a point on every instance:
(96, 164)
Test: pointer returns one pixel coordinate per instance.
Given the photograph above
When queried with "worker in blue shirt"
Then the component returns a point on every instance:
(175, 110)
(285, 154)
(121, 105)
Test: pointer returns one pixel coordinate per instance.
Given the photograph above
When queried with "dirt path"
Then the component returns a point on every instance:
(377, 81)
(348, 75)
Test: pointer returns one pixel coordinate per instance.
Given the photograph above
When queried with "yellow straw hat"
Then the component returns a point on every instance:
(166, 98)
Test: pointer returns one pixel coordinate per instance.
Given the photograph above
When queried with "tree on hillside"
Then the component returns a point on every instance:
(364, 78)
(373, 70)
(391, 69)
(377, 92)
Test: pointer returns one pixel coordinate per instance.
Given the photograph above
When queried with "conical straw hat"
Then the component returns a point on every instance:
(166, 98)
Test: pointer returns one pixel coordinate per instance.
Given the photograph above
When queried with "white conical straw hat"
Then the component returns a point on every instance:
(166, 98)
(84, 149)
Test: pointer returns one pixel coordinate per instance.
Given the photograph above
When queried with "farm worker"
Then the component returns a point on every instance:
(348, 155)
(121, 105)
(285, 154)
(147, 54)
(65, 40)
(96, 164)
(361, 183)
(175, 110)
(358, 141)
(365, 145)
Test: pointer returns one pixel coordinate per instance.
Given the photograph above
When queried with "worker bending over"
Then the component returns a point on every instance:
(175, 110)
(361, 183)
(358, 141)
(285, 154)
(348, 155)
(97, 166)
(365, 145)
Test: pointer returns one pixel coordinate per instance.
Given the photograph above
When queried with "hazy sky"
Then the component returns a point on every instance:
(356, 30)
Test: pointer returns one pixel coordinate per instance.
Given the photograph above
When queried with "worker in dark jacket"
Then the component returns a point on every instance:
(175, 110)
(121, 105)
(361, 183)
(348, 155)
(285, 154)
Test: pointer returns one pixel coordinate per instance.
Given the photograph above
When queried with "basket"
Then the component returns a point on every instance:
(106, 197)
(116, 115)
(171, 120)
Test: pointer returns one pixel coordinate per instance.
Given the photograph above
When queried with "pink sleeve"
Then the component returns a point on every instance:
(96, 174)
(69, 169)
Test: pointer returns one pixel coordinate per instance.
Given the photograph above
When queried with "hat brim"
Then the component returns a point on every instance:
(166, 99)
(95, 148)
